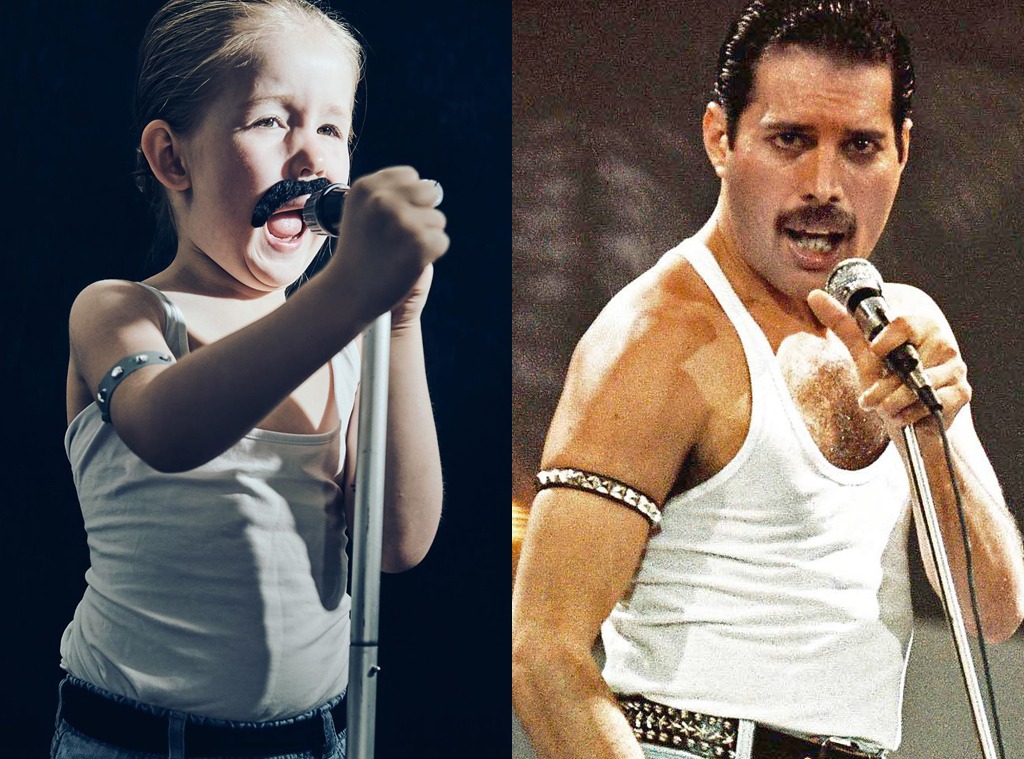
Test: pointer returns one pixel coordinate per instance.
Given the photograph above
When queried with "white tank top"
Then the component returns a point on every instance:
(220, 591)
(778, 590)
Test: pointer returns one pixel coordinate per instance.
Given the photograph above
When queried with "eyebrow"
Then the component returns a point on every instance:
(336, 110)
(795, 126)
(874, 134)
(784, 126)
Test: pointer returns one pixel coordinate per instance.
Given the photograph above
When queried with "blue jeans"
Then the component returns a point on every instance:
(69, 743)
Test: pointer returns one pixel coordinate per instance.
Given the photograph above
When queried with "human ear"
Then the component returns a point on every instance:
(163, 150)
(907, 125)
(716, 137)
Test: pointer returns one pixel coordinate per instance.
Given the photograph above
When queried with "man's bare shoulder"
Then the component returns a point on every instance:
(667, 310)
(906, 299)
(632, 404)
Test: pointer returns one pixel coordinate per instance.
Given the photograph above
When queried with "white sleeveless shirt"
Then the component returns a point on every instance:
(778, 590)
(220, 591)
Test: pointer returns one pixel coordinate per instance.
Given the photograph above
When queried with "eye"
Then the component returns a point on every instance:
(332, 130)
(790, 141)
(863, 147)
(267, 122)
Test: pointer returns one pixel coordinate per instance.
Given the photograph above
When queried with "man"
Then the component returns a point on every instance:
(722, 482)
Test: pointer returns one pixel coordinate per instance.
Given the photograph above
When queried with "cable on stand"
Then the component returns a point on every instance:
(922, 497)
(857, 286)
(322, 214)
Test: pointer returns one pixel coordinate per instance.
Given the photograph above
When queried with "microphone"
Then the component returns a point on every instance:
(857, 285)
(322, 210)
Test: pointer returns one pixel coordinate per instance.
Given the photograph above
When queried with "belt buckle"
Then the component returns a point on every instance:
(848, 748)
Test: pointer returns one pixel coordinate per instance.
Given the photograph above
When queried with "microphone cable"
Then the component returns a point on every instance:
(857, 285)
(969, 563)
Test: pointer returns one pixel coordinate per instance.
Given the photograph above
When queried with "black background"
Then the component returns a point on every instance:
(436, 96)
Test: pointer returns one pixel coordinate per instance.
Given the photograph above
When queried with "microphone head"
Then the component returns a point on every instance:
(322, 210)
(853, 280)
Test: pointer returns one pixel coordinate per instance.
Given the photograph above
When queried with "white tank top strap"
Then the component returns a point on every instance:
(175, 332)
(755, 344)
(764, 390)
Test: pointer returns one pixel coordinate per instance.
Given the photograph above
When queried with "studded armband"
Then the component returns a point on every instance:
(122, 369)
(600, 485)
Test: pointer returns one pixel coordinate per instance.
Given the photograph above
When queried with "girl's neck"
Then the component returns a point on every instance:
(198, 275)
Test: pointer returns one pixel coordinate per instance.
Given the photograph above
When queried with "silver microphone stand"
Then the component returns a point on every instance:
(367, 531)
(922, 496)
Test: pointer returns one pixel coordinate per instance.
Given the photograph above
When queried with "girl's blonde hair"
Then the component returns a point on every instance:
(187, 49)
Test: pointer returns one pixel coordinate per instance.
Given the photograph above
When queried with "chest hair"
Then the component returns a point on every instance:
(823, 383)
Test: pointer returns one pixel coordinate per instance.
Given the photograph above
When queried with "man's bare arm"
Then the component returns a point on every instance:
(630, 411)
(998, 558)
(578, 558)
(996, 554)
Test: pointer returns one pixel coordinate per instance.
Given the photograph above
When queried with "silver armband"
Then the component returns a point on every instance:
(602, 486)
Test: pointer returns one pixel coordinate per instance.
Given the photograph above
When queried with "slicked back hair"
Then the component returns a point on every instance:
(851, 31)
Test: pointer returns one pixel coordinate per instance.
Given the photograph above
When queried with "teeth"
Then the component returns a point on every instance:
(818, 242)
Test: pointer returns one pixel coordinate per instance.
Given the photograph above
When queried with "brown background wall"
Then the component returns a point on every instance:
(609, 172)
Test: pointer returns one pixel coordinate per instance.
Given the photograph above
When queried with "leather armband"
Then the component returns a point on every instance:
(122, 369)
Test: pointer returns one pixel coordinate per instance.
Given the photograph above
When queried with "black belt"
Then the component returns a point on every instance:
(133, 729)
(771, 744)
(715, 737)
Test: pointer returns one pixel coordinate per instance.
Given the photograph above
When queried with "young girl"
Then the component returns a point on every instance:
(212, 421)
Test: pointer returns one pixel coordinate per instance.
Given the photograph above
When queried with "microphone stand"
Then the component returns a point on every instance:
(922, 496)
(367, 528)
(367, 531)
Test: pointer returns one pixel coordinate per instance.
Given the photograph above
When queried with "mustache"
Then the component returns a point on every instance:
(829, 216)
(280, 193)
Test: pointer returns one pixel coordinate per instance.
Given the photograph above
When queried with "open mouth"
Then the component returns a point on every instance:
(286, 225)
(815, 242)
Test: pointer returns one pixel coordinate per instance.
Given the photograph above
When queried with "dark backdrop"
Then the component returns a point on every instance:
(436, 96)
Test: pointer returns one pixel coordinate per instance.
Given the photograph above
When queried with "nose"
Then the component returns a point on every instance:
(821, 177)
(307, 157)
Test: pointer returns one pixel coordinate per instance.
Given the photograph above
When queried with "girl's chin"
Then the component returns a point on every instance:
(272, 278)
(273, 273)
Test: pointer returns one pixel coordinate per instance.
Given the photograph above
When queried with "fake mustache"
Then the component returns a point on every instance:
(280, 193)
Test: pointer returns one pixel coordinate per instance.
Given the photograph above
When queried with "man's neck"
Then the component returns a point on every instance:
(777, 313)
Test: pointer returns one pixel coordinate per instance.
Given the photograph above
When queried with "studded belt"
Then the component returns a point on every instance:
(712, 737)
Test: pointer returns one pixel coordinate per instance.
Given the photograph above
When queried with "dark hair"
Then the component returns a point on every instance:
(857, 31)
